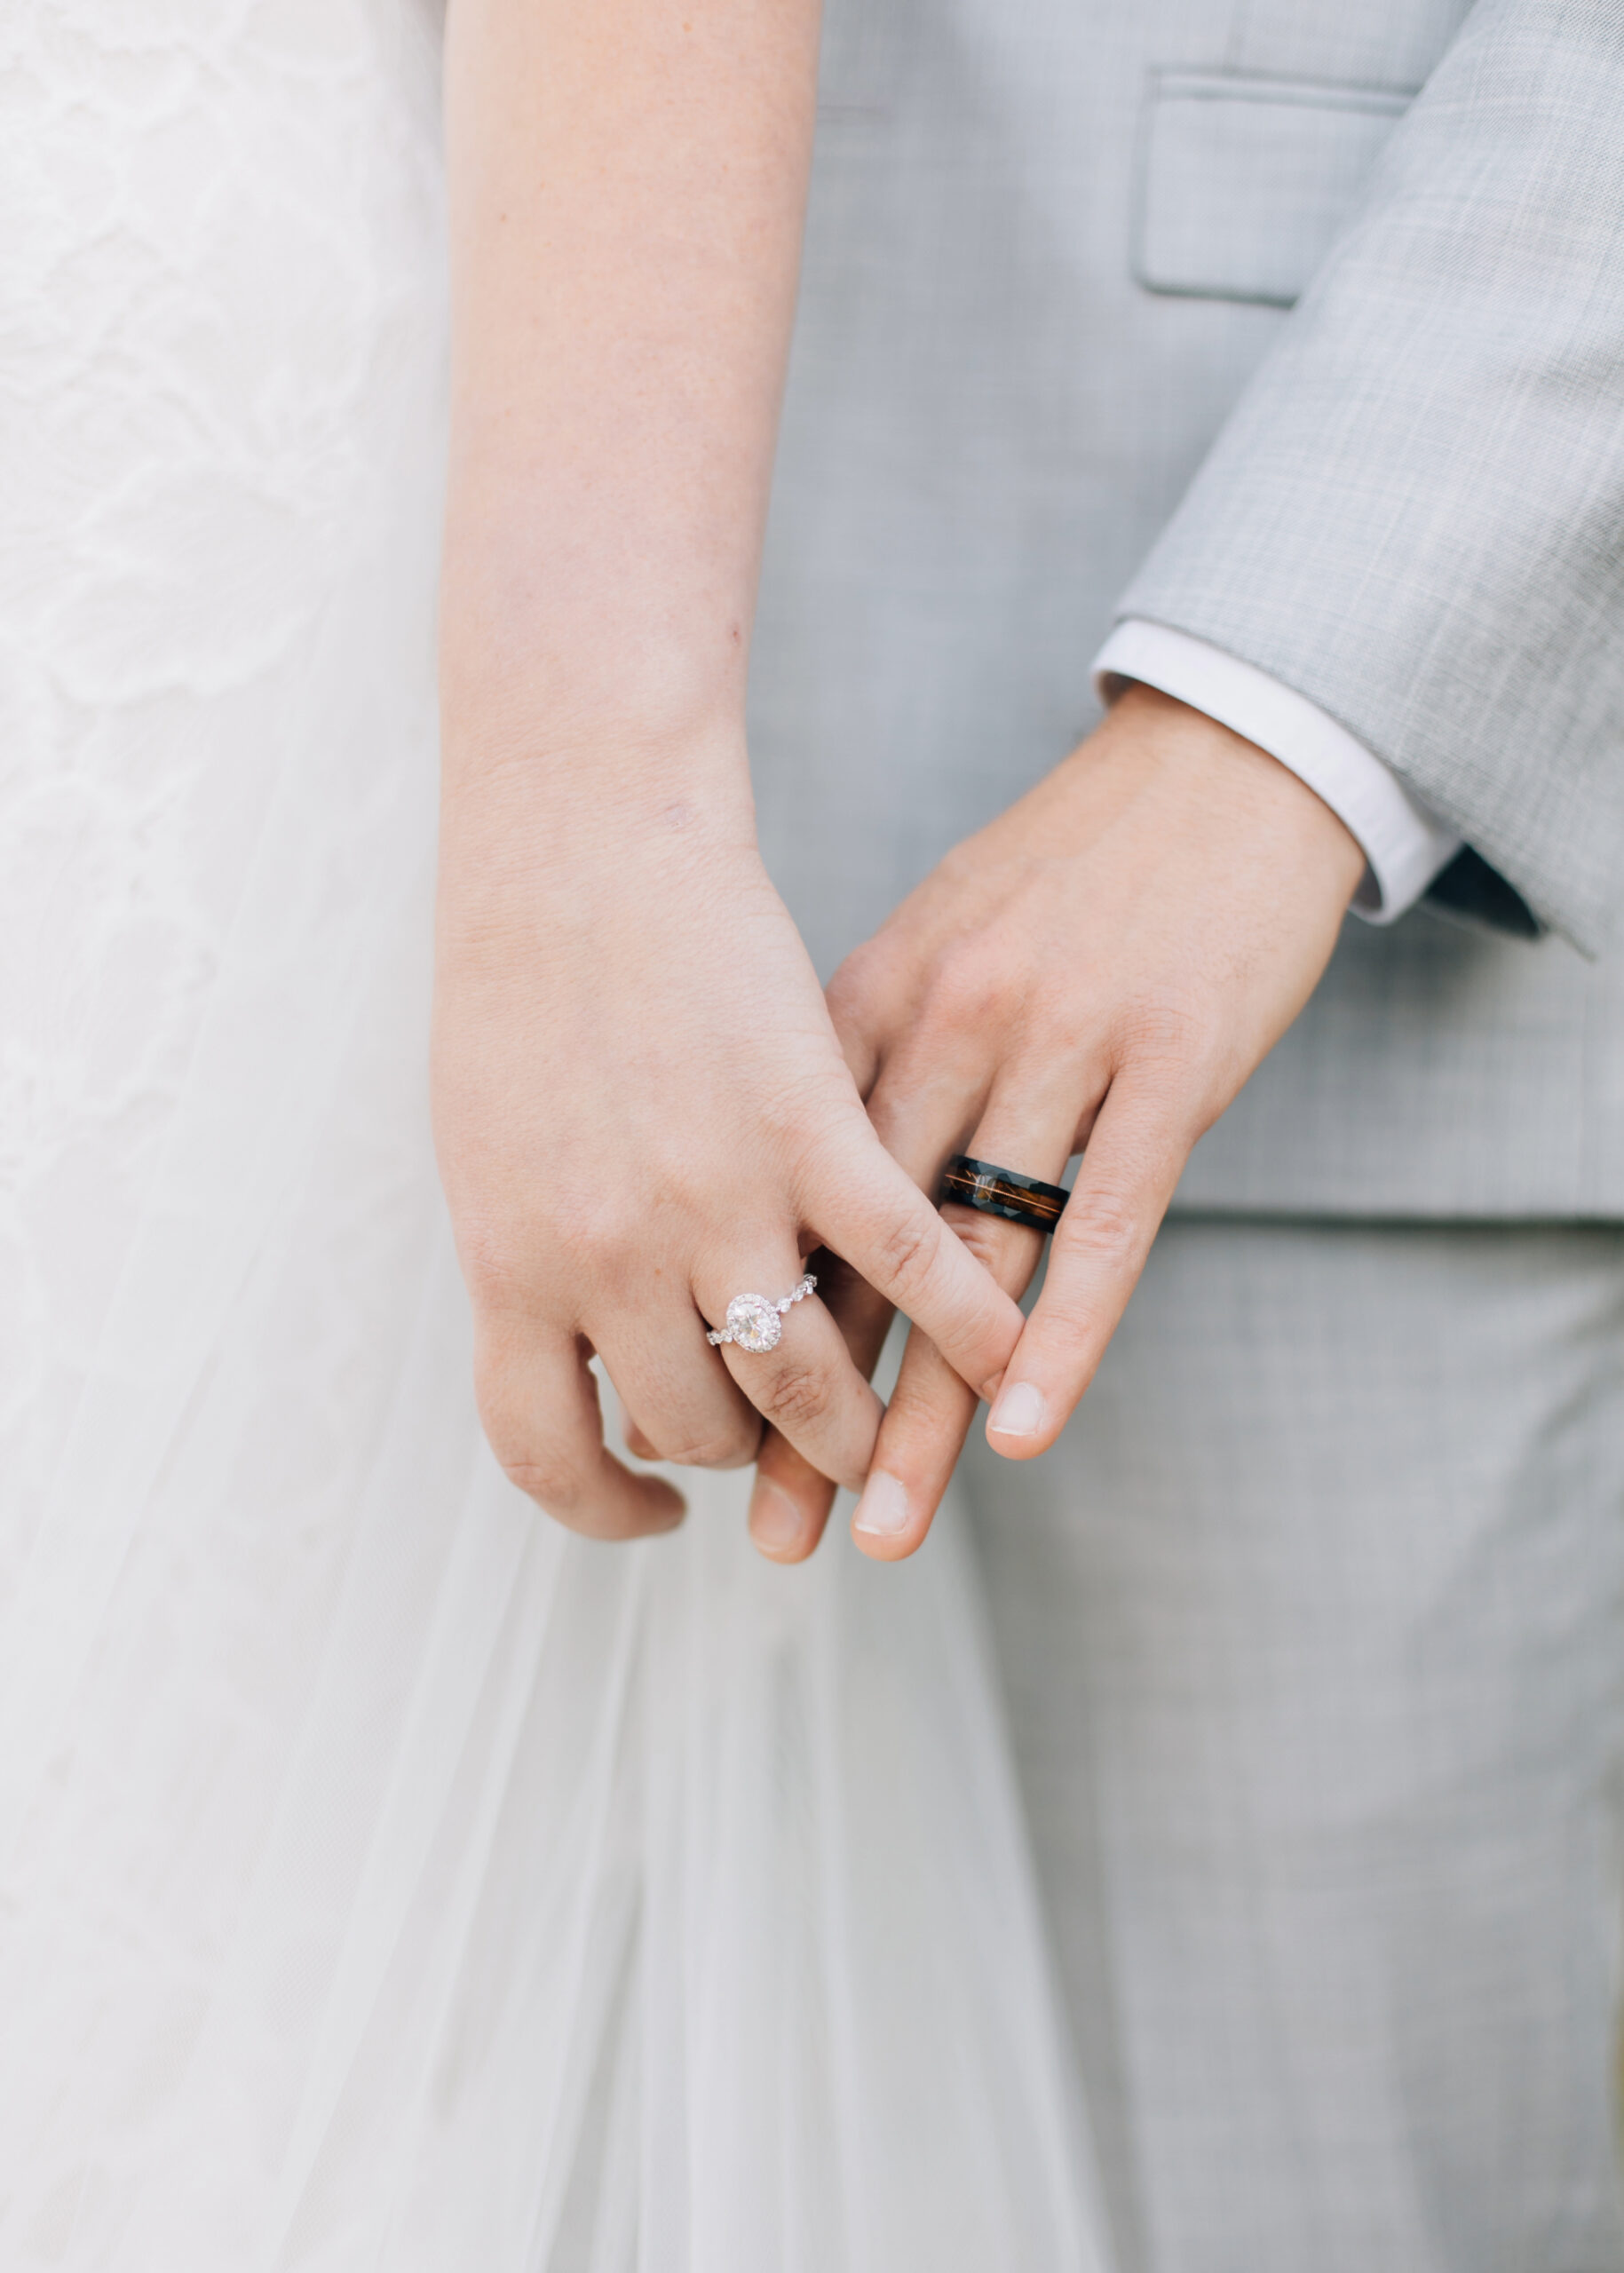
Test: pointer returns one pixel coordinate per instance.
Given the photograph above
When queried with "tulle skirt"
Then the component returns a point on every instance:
(387, 1880)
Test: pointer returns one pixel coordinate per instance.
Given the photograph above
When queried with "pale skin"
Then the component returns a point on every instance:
(643, 1103)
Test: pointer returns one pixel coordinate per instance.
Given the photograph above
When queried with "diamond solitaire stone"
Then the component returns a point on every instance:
(754, 1323)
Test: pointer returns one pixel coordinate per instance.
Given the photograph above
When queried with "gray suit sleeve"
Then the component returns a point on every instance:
(1416, 515)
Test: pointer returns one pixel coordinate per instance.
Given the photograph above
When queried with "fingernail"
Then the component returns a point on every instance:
(775, 1521)
(1020, 1411)
(882, 1512)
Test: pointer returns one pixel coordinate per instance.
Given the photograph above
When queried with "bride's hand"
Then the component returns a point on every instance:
(640, 1105)
(641, 1110)
(1104, 965)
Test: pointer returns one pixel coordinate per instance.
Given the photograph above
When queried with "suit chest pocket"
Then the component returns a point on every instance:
(1244, 182)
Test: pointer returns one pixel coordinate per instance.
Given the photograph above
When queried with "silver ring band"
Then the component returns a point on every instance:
(755, 1324)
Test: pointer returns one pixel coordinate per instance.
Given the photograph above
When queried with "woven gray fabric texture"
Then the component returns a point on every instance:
(1048, 253)
(1313, 1630)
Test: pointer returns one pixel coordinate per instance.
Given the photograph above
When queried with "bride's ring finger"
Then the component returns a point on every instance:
(791, 1500)
(791, 1360)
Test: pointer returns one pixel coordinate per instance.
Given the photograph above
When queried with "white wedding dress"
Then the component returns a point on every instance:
(387, 1880)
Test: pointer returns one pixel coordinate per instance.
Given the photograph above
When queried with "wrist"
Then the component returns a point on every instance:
(551, 827)
(1261, 799)
(583, 733)
(553, 761)
(559, 656)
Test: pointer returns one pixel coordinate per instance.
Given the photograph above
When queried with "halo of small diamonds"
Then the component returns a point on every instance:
(756, 1325)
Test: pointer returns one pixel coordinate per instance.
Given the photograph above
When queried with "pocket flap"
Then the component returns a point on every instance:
(1244, 182)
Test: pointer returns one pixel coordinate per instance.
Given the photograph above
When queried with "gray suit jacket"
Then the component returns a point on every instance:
(1199, 310)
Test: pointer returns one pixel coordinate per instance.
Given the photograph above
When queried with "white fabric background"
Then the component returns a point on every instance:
(1313, 1626)
(385, 1880)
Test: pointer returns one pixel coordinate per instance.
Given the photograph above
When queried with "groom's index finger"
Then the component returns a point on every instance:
(931, 1411)
(1134, 1158)
(875, 1216)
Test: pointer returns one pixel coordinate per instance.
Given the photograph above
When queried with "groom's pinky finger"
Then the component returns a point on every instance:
(1135, 1154)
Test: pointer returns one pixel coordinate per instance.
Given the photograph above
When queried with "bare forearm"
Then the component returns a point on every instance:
(634, 1123)
(627, 183)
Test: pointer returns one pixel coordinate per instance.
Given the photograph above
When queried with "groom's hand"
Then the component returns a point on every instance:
(1100, 969)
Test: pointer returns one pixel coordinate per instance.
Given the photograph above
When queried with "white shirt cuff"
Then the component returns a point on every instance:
(1404, 843)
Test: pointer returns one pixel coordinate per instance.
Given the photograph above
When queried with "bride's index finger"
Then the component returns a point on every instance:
(875, 1216)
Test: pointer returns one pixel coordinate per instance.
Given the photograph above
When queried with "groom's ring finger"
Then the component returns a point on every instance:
(988, 1190)
(790, 1358)
(991, 1207)
(930, 1410)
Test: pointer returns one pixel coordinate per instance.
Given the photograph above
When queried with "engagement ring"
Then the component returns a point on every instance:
(755, 1323)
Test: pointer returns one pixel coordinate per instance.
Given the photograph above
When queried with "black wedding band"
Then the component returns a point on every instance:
(1002, 1191)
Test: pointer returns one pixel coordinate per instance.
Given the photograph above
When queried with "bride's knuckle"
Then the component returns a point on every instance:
(512, 1259)
(537, 1462)
(599, 1246)
(802, 1120)
(555, 1485)
(602, 1226)
(799, 1398)
(734, 1447)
